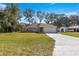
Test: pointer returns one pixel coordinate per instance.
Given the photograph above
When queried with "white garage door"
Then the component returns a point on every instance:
(49, 30)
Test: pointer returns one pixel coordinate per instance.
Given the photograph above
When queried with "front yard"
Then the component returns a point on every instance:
(16, 44)
(75, 34)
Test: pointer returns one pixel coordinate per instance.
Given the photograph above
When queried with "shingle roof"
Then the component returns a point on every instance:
(74, 26)
(41, 25)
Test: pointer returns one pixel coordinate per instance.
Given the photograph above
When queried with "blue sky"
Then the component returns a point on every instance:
(66, 8)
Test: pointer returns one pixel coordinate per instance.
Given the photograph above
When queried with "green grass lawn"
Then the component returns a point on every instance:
(75, 34)
(16, 44)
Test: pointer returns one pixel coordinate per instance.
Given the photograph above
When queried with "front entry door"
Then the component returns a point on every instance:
(41, 29)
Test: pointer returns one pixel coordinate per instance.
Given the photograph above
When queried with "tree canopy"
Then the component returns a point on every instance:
(10, 17)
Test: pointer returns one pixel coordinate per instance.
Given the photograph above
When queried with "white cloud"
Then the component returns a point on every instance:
(52, 3)
(2, 6)
(22, 20)
(71, 13)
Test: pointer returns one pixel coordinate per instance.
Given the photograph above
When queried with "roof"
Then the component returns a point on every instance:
(32, 25)
(47, 25)
(63, 27)
(76, 26)
(41, 25)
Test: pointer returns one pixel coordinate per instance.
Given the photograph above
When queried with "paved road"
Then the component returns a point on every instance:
(65, 45)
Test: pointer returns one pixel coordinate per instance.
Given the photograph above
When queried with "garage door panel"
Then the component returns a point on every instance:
(49, 30)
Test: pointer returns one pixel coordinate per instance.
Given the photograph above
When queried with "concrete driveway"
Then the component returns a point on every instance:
(65, 45)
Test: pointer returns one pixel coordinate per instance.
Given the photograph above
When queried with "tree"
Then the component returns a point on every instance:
(12, 16)
(9, 18)
(50, 18)
(2, 20)
(40, 16)
(74, 19)
(61, 20)
(29, 13)
(47, 21)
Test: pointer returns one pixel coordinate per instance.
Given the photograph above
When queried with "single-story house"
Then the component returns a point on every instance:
(43, 28)
(69, 29)
(48, 28)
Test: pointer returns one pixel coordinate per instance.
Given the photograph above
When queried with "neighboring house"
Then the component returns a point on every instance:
(63, 29)
(42, 28)
(69, 29)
